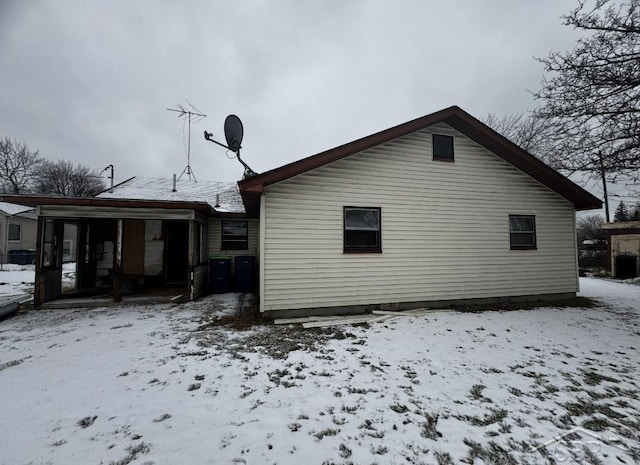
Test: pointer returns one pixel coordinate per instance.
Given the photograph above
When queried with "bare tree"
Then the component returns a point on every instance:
(591, 94)
(19, 167)
(590, 228)
(528, 131)
(68, 180)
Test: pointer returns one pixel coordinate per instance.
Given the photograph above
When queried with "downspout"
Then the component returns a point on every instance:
(262, 228)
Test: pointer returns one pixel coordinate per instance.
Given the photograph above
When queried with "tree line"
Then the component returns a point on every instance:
(23, 171)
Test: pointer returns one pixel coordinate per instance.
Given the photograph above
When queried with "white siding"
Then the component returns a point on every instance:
(445, 230)
(215, 239)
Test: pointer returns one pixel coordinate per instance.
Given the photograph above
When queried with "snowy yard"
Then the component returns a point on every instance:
(162, 385)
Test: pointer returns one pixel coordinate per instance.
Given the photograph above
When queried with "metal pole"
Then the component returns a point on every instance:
(604, 187)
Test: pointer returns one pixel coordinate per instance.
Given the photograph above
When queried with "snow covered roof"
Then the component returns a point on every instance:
(142, 188)
(10, 209)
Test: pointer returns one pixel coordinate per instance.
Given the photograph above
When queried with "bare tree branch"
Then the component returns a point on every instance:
(591, 94)
(19, 167)
(64, 179)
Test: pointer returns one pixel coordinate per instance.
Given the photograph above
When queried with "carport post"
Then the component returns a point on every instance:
(117, 263)
(39, 285)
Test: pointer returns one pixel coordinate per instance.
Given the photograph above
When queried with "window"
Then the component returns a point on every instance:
(362, 229)
(442, 147)
(235, 235)
(522, 232)
(66, 248)
(14, 232)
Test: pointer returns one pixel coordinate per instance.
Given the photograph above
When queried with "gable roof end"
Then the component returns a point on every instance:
(455, 117)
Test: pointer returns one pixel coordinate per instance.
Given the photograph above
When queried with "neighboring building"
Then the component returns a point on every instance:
(624, 248)
(20, 223)
(438, 210)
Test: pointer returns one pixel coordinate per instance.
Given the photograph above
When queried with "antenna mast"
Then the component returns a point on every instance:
(188, 115)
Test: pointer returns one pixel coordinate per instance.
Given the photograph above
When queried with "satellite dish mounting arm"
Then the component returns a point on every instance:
(209, 136)
(247, 169)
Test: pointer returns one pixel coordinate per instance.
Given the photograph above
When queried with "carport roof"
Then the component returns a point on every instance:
(208, 198)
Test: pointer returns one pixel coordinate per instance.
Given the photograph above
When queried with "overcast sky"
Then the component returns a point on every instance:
(91, 81)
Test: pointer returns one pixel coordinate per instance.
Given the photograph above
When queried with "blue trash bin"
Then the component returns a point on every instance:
(20, 257)
(245, 273)
(219, 274)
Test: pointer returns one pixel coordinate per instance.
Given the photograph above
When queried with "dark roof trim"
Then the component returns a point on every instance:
(455, 117)
(201, 207)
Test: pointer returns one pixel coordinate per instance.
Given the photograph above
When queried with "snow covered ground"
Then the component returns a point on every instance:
(164, 384)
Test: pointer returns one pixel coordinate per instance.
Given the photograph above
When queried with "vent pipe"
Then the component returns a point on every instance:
(174, 183)
(217, 201)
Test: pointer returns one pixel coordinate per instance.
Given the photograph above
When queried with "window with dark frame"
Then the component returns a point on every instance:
(66, 248)
(522, 232)
(442, 147)
(235, 235)
(14, 232)
(362, 229)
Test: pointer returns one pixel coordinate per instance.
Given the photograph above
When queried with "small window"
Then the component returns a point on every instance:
(235, 235)
(66, 248)
(522, 232)
(442, 147)
(362, 229)
(14, 232)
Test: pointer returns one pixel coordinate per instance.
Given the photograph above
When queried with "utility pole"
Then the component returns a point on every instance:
(188, 114)
(604, 187)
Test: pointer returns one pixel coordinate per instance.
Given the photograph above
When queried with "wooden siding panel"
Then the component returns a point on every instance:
(200, 281)
(445, 230)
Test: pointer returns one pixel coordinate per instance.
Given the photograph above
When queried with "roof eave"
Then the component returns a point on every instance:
(459, 120)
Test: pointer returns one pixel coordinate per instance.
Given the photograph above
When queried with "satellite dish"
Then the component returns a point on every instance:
(233, 132)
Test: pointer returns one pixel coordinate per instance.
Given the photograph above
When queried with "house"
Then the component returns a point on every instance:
(438, 210)
(624, 248)
(17, 232)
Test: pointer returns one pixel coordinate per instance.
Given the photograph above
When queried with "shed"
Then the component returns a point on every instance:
(624, 248)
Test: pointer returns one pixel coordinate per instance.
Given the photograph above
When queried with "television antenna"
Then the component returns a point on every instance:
(233, 133)
(190, 117)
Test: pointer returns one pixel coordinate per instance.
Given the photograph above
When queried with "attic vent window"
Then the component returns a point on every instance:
(442, 147)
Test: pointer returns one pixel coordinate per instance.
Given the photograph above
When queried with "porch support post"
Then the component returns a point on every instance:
(117, 263)
(38, 287)
(190, 249)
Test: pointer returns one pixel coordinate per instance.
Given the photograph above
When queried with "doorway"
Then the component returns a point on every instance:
(176, 252)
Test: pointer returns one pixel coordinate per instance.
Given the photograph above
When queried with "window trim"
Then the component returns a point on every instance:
(19, 232)
(242, 242)
(433, 148)
(533, 246)
(363, 249)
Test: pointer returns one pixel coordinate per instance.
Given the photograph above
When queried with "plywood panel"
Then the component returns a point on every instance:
(133, 247)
